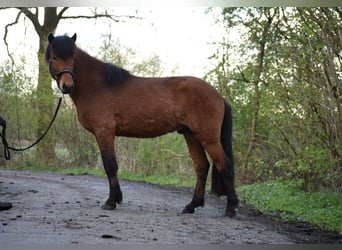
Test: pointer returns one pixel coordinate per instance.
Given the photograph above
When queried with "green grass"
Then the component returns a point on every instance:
(286, 200)
(176, 180)
(75, 170)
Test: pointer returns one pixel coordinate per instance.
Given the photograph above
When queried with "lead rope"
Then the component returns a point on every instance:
(7, 148)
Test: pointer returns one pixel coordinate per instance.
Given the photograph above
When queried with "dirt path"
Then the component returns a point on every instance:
(51, 208)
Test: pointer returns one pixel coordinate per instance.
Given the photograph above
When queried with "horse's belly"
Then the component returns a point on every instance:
(145, 127)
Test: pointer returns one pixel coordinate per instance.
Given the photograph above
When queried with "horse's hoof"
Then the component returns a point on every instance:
(108, 206)
(230, 212)
(188, 210)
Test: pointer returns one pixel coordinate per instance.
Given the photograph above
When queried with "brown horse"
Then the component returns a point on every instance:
(112, 102)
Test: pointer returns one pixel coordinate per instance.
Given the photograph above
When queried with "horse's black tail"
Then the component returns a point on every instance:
(217, 182)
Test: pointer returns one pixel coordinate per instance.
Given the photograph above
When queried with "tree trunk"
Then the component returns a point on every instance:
(256, 101)
(45, 153)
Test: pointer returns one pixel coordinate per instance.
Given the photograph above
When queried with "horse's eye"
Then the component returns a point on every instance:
(54, 58)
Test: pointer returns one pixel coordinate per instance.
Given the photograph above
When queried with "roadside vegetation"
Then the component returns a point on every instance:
(287, 200)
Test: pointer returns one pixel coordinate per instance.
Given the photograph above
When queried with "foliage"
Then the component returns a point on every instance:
(75, 147)
(167, 154)
(283, 79)
(17, 109)
(287, 200)
(114, 52)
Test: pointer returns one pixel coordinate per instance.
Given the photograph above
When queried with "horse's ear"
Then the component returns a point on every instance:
(51, 37)
(74, 37)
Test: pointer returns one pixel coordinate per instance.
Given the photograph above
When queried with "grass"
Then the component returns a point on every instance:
(176, 180)
(75, 170)
(286, 200)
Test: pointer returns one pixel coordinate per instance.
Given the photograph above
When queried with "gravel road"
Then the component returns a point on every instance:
(58, 209)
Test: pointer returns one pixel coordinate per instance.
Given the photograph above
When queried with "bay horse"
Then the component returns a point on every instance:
(111, 102)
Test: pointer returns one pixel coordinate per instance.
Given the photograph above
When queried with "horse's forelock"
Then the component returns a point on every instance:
(62, 47)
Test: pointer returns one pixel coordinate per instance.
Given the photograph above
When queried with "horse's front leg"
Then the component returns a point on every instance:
(106, 145)
(111, 168)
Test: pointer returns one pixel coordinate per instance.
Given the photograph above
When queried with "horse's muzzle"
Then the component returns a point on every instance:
(66, 89)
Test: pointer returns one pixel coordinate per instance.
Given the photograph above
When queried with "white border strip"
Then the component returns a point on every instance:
(161, 3)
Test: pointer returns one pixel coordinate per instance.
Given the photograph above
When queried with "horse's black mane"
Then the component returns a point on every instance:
(115, 74)
(64, 47)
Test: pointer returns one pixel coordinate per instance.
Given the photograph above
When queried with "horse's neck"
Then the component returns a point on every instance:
(85, 68)
(83, 59)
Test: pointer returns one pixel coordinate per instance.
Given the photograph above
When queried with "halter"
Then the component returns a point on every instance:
(56, 74)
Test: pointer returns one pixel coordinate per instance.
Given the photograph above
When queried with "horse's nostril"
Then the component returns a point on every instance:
(66, 89)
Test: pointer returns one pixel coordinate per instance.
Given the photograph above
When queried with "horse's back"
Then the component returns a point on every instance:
(202, 107)
(178, 102)
(177, 89)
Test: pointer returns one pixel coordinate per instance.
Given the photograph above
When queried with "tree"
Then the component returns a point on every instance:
(260, 28)
(285, 86)
(44, 94)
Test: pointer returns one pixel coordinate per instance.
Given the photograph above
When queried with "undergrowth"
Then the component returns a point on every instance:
(287, 200)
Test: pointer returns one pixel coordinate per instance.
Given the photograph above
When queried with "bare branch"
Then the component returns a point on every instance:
(6, 33)
(60, 14)
(33, 17)
(95, 15)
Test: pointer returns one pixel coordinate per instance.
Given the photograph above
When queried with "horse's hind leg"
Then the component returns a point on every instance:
(106, 145)
(223, 165)
(201, 166)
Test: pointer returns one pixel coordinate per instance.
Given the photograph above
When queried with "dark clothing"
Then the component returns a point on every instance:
(5, 205)
(2, 122)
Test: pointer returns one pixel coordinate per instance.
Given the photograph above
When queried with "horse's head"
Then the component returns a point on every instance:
(60, 55)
